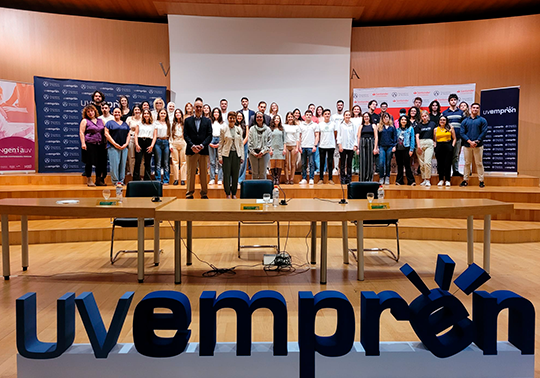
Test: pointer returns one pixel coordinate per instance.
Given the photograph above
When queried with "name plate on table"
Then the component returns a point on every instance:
(378, 206)
(251, 206)
(108, 202)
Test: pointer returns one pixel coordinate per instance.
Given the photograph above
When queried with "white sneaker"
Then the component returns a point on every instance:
(441, 183)
(311, 182)
(212, 182)
(387, 181)
(428, 183)
(219, 183)
(303, 182)
(423, 183)
(448, 183)
(381, 181)
(335, 172)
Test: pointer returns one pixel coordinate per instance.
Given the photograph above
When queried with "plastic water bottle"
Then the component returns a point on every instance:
(275, 196)
(380, 193)
(119, 193)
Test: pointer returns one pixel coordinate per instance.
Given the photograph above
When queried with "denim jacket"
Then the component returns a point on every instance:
(407, 136)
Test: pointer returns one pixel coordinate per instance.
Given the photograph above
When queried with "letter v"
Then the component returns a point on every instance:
(101, 340)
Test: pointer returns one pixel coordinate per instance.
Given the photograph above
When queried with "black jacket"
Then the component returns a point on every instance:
(194, 138)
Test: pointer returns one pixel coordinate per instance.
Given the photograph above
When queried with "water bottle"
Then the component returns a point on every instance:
(275, 196)
(119, 193)
(380, 192)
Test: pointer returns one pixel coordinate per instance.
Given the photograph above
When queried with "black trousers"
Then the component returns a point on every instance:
(403, 160)
(95, 155)
(345, 166)
(326, 153)
(144, 143)
(444, 153)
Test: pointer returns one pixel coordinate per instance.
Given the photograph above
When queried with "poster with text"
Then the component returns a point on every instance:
(59, 104)
(500, 108)
(17, 139)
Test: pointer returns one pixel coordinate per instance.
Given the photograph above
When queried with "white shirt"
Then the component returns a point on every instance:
(162, 129)
(346, 135)
(216, 129)
(146, 131)
(292, 134)
(336, 118)
(178, 134)
(246, 116)
(132, 123)
(307, 134)
(327, 138)
(106, 119)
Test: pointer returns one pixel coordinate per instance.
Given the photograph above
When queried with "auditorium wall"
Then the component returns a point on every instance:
(59, 46)
(491, 53)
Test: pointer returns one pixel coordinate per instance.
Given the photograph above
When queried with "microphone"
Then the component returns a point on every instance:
(283, 202)
(343, 201)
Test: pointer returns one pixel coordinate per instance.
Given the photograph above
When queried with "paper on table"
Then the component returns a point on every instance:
(67, 202)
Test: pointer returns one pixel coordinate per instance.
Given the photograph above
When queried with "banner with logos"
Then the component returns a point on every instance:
(17, 139)
(500, 108)
(403, 97)
(59, 103)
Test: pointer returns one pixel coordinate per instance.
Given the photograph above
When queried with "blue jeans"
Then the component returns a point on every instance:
(307, 153)
(243, 166)
(214, 162)
(117, 162)
(161, 158)
(385, 159)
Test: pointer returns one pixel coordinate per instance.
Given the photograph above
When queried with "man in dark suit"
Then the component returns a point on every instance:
(198, 135)
(248, 113)
(262, 109)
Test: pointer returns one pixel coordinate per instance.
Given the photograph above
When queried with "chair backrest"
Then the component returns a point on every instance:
(359, 190)
(255, 189)
(144, 189)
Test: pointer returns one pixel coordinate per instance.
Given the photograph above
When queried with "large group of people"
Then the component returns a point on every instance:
(220, 145)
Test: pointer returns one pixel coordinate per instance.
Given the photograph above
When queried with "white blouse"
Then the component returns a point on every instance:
(146, 131)
(133, 123)
(162, 129)
(292, 133)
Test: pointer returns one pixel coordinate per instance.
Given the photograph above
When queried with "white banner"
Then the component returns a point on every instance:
(403, 97)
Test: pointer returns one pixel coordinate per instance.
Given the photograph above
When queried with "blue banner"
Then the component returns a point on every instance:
(500, 107)
(59, 103)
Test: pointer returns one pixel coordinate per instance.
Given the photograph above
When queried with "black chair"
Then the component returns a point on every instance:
(139, 189)
(254, 189)
(359, 190)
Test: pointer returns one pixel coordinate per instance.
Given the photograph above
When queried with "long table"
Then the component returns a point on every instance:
(130, 207)
(312, 210)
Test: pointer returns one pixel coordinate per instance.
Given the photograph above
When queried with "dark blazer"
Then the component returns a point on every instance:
(251, 114)
(194, 138)
(267, 120)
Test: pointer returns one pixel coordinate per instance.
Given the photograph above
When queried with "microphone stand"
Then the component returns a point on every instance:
(283, 202)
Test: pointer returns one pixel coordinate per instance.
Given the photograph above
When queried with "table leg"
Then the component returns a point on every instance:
(24, 242)
(324, 252)
(140, 249)
(156, 242)
(313, 242)
(189, 256)
(470, 240)
(345, 241)
(177, 253)
(5, 247)
(360, 249)
(487, 242)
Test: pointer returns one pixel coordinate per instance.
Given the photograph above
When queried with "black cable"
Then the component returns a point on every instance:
(326, 200)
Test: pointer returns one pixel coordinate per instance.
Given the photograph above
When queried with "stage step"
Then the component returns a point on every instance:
(83, 230)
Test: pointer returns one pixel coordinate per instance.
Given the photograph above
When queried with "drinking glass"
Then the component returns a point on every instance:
(370, 197)
(266, 197)
(106, 193)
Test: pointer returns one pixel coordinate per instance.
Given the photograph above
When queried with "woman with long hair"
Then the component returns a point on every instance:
(445, 140)
(94, 154)
(241, 122)
(465, 109)
(259, 144)
(346, 142)
(424, 143)
(274, 110)
(145, 105)
(215, 166)
(404, 150)
(231, 153)
(414, 119)
(434, 111)
(124, 107)
(386, 145)
(207, 110)
(145, 139)
(117, 134)
(178, 148)
(133, 121)
(277, 149)
(356, 119)
(319, 112)
(188, 110)
(327, 144)
(292, 145)
(368, 137)
(162, 149)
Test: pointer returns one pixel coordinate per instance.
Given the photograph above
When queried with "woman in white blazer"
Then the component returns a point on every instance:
(231, 154)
